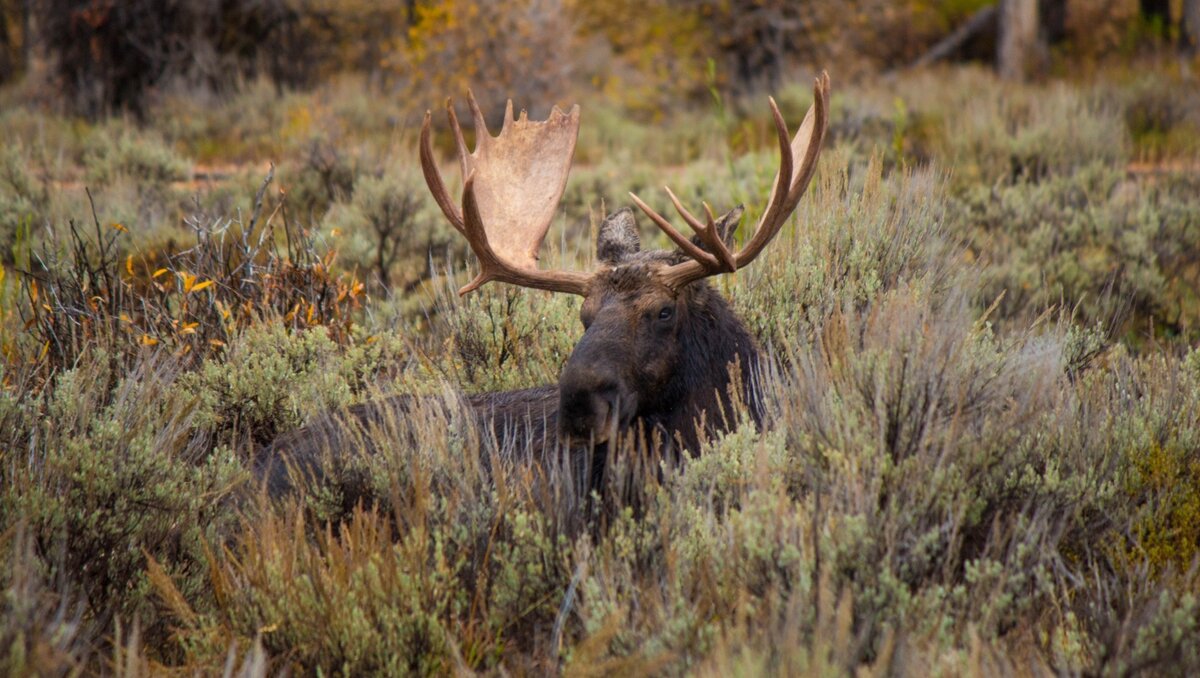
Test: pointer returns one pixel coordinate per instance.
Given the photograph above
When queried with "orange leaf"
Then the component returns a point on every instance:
(129, 265)
(148, 340)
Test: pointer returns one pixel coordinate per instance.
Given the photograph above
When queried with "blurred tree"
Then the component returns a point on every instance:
(110, 54)
(647, 54)
(14, 43)
(1018, 42)
(1157, 14)
(1189, 36)
(520, 49)
(757, 38)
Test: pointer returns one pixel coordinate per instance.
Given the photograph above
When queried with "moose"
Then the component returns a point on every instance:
(662, 355)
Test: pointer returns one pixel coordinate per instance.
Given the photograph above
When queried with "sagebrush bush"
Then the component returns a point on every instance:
(108, 471)
(114, 150)
(1107, 248)
(20, 199)
(387, 230)
(270, 380)
(996, 133)
(502, 338)
(855, 235)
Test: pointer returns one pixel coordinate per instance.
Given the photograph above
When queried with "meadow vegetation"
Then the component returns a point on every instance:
(983, 442)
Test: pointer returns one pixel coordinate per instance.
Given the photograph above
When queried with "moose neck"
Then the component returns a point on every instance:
(716, 349)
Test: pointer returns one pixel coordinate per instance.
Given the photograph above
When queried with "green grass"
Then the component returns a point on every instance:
(983, 440)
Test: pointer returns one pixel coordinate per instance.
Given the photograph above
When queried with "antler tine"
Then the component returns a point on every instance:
(459, 144)
(790, 185)
(481, 129)
(676, 237)
(708, 233)
(433, 177)
(784, 201)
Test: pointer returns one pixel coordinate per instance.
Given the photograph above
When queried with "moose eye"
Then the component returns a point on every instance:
(666, 313)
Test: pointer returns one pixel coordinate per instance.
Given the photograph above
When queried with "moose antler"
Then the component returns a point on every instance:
(511, 187)
(790, 184)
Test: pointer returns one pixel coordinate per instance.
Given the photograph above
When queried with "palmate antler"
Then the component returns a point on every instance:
(790, 184)
(512, 184)
(511, 187)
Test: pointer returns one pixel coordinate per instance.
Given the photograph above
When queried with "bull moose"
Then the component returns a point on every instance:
(662, 353)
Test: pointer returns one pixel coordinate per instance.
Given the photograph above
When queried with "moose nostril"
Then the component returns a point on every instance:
(589, 406)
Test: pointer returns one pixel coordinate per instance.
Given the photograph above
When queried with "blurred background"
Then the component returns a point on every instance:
(101, 56)
(985, 314)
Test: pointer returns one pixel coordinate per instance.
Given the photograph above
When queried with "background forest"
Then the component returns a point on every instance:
(983, 450)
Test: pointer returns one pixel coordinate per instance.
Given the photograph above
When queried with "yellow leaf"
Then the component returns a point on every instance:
(129, 265)
(335, 232)
(148, 340)
(188, 281)
(45, 350)
(159, 272)
(200, 286)
(121, 228)
(125, 318)
(215, 342)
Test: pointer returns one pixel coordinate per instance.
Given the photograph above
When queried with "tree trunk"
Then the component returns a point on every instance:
(1158, 13)
(1189, 37)
(7, 67)
(1054, 20)
(1018, 47)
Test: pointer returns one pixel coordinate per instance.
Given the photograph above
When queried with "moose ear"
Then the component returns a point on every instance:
(618, 237)
(726, 226)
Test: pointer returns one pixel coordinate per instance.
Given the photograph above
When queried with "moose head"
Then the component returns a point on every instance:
(658, 342)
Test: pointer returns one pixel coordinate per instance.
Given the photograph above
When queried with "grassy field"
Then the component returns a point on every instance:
(983, 450)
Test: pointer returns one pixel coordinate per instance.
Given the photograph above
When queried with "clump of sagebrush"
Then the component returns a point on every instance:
(455, 566)
(857, 233)
(324, 174)
(21, 199)
(1111, 249)
(40, 627)
(387, 230)
(500, 337)
(103, 470)
(1162, 113)
(119, 149)
(979, 128)
(270, 380)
